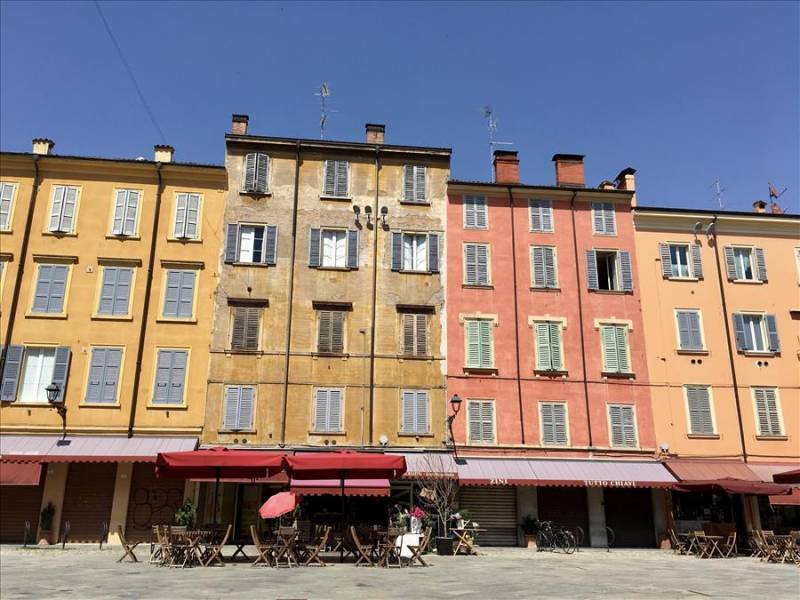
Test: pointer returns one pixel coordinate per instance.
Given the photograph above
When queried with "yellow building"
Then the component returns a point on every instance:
(106, 265)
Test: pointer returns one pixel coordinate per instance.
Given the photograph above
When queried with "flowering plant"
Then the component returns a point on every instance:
(418, 513)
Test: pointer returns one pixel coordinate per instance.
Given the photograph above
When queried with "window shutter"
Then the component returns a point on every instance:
(762, 264)
(536, 215)
(539, 278)
(772, 333)
(58, 203)
(550, 274)
(555, 346)
(481, 265)
(337, 332)
(548, 424)
(163, 368)
(591, 270)
(192, 213)
(231, 414)
(560, 423)
(486, 344)
(433, 252)
(408, 183)
(598, 223)
(238, 329)
(108, 291)
(251, 328)
(730, 263)
(700, 421)
(342, 168)
(609, 218)
(97, 366)
(119, 212)
(615, 417)
(177, 377)
(397, 251)
(763, 411)
(262, 173)
(321, 410)
(122, 291)
(481, 210)
(409, 410)
(334, 410)
(132, 207)
(420, 183)
(250, 171)
(738, 330)
(330, 178)
(421, 421)
(469, 212)
(471, 263)
(324, 340)
(6, 196)
(232, 243)
(547, 215)
(313, 248)
(666, 260)
(11, 373)
(627, 275)
(42, 295)
(61, 370)
(181, 202)
(186, 281)
(609, 339)
(487, 421)
(113, 357)
(68, 209)
(697, 261)
(352, 249)
(58, 287)
(543, 355)
(622, 349)
(245, 416)
(772, 412)
(475, 421)
(688, 331)
(473, 344)
(270, 254)
(628, 426)
(422, 334)
(408, 334)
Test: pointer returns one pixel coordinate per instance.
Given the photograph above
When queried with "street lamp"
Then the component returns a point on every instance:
(455, 404)
(52, 392)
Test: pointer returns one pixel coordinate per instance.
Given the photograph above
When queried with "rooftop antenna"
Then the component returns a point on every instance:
(491, 123)
(324, 93)
(718, 189)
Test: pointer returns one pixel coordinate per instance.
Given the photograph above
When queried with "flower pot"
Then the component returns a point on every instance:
(416, 525)
(45, 537)
(530, 541)
(444, 546)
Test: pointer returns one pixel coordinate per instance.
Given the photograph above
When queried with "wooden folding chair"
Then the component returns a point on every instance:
(418, 550)
(126, 546)
(155, 546)
(678, 546)
(264, 550)
(729, 546)
(701, 544)
(312, 551)
(365, 552)
(216, 549)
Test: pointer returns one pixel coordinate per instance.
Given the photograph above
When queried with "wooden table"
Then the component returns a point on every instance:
(466, 540)
(712, 546)
(285, 546)
(388, 550)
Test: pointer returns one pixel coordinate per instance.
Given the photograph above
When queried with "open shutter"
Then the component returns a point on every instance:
(397, 251)
(337, 331)
(245, 416)
(192, 214)
(180, 215)
(232, 243)
(408, 410)
(408, 183)
(68, 210)
(314, 248)
(762, 264)
(730, 263)
(119, 213)
(486, 344)
(97, 366)
(738, 330)
(11, 373)
(666, 259)
(61, 370)
(131, 208)
(113, 357)
(591, 270)
(58, 203)
(474, 421)
(543, 355)
(250, 171)
(177, 377)
(270, 254)
(473, 344)
(334, 410)
(433, 252)
(548, 424)
(622, 348)
(471, 263)
(422, 334)
(231, 413)
(627, 275)
(352, 249)
(610, 359)
(262, 173)
(697, 261)
(555, 346)
(6, 196)
(772, 333)
(539, 278)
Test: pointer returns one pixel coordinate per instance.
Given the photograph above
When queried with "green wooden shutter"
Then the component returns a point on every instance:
(485, 328)
(543, 347)
(615, 419)
(473, 344)
(609, 340)
(556, 360)
(548, 424)
(622, 348)
(538, 267)
(471, 263)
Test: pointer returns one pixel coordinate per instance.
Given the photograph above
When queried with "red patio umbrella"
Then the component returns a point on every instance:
(278, 505)
(787, 477)
(733, 486)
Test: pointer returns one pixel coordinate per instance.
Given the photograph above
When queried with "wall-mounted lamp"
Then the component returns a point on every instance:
(455, 405)
(384, 214)
(368, 212)
(53, 391)
(357, 211)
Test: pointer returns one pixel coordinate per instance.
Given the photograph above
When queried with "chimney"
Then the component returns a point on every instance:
(626, 180)
(42, 146)
(239, 124)
(163, 153)
(375, 133)
(776, 208)
(760, 206)
(569, 170)
(506, 166)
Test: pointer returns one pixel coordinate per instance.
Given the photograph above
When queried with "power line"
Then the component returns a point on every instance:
(130, 72)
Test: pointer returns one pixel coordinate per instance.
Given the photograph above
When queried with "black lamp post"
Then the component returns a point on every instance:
(52, 391)
(455, 404)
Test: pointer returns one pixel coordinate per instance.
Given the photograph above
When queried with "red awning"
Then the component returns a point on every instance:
(733, 486)
(705, 470)
(792, 499)
(20, 473)
(337, 465)
(218, 463)
(89, 448)
(352, 487)
(787, 477)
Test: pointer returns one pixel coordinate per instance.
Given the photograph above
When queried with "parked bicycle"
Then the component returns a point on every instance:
(554, 538)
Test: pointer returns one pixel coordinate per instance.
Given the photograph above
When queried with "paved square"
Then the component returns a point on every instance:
(85, 572)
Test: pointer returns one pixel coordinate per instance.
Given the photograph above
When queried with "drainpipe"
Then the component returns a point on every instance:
(580, 316)
(291, 295)
(374, 296)
(137, 377)
(23, 252)
(711, 232)
(516, 313)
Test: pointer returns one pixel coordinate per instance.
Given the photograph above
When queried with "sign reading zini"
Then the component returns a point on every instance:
(498, 482)
(614, 483)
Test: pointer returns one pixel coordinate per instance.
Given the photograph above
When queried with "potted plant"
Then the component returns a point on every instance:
(46, 524)
(463, 517)
(417, 516)
(438, 494)
(530, 529)
(186, 514)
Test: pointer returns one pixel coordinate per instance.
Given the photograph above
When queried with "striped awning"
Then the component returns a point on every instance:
(352, 487)
(689, 469)
(20, 473)
(429, 464)
(52, 449)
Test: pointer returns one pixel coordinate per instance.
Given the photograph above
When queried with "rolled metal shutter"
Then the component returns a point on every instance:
(630, 514)
(495, 509)
(565, 506)
(20, 503)
(153, 501)
(87, 500)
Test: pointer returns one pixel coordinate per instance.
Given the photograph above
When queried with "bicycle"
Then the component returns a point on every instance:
(552, 538)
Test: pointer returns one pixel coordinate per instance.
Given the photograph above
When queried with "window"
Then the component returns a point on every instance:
(331, 332)
(609, 270)
(414, 412)
(62, 212)
(251, 244)
(104, 371)
(115, 291)
(681, 261)
(7, 191)
(623, 425)
(756, 332)
(615, 348)
(698, 402)
(187, 212)
(415, 334)
(415, 252)
(30, 370)
(336, 175)
(179, 295)
(767, 412)
(126, 210)
(745, 264)
(245, 330)
(333, 249)
(238, 411)
(541, 215)
(328, 411)
(480, 415)
(479, 344)
(548, 346)
(475, 212)
(603, 218)
(51, 287)
(170, 377)
(543, 267)
(690, 334)
(554, 423)
(256, 173)
(476, 264)
(415, 183)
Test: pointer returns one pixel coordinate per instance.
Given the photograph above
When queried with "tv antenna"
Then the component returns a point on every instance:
(324, 93)
(491, 123)
(718, 189)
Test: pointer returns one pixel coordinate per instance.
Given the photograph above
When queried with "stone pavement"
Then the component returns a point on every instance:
(85, 573)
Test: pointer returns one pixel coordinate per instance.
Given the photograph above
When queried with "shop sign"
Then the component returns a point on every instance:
(609, 483)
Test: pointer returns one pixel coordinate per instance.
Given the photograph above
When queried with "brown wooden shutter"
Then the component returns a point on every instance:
(324, 340)
(422, 335)
(408, 334)
(337, 332)
(238, 330)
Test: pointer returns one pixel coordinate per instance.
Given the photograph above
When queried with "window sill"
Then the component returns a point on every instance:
(255, 194)
(336, 198)
(541, 231)
(249, 264)
(545, 289)
(237, 431)
(405, 434)
(33, 315)
(123, 238)
(328, 268)
(111, 317)
(116, 405)
(770, 438)
(682, 278)
(621, 447)
(604, 234)
(185, 240)
(703, 436)
(480, 371)
(406, 272)
(756, 353)
(60, 234)
(245, 351)
(612, 292)
(9, 231)
(747, 281)
(414, 203)
(28, 404)
(468, 228)
(477, 286)
(169, 320)
(617, 375)
(341, 355)
(321, 433)
(183, 406)
(550, 373)
(415, 357)
(701, 351)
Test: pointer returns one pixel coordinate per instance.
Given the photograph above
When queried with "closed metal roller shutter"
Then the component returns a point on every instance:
(20, 503)
(87, 500)
(630, 514)
(153, 501)
(495, 509)
(565, 506)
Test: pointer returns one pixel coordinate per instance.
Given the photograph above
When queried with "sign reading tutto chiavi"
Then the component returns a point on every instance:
(614, 483)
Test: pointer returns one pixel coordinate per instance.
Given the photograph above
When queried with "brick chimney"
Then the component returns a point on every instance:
(506, 166)
(163, 153)
(42, 146)
(626, 180)
(375, 133)
(760, 206)
(239, 124)
(569, 170)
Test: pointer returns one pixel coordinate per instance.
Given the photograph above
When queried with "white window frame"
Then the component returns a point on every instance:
(415, 252)
(617, 269)
(565, 404)
(42, 397)
(749, 316)
(688, 255)
(778, 408)
(327, 232)
(239, 245)
(739, 262)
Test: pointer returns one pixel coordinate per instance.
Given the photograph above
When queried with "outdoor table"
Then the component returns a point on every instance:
(466, 540)
(240, 544)
(712, 547)
(783, 544)
(284, 546)
(388, 548)
(404, 541)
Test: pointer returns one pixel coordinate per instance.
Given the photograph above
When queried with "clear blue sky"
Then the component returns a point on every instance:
(685, 93)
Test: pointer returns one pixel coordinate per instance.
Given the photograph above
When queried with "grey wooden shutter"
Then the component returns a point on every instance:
(422, 334)
(738, 329)
(555, 346)
(352, 249)
(420, 183)
(772, 333)
(119, 213)
(471, 263)
(97, 366)
(250, 161)
(337, 331)
(108, 291)
(700, 421)
(314, 248)
(408, 183)
(397, 251)
(111, 374)
(433, 252)
(762, 264)
(730, 263)
(192, 215)
(181, 202)
(324, 339)
(408, 410)
(232, 243)
(177, 376)
(615, 418)
(58, 202)
(320, 410)
(230, 419)
(481, 210)
(408, 334)
(543, 355)
(767, 410)
(68, 209)
(697, 261)
(270, 254)
(689, 331)
(329, 188)
(469, 212)
(163, 368)
(61, 370)
(11, 373)
(421, 420)
(42, 294)
(342, 168)
(537, 258)
(122, 291)
(474, 413)
(262, 173)
(627, 274)
(609, 217)
(245, 416)
(666, 259)
(609, 340)
(591, 270)
(6, 196)
(334, 410)
(598, 223)
(131, 209)
(58, 288)
(481, 265)
(548, 423)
